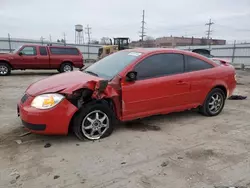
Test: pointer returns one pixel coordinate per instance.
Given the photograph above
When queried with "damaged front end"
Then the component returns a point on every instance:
(82, 94)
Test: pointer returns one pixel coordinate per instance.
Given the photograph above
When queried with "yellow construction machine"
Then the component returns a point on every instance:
(119, 43)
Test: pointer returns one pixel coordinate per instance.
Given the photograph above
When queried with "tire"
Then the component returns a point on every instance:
(5, 69)
(213, 105)
(86, 117)
(66, 67)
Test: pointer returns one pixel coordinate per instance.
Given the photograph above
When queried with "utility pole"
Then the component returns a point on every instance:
(64, 39)
(9, 42)
(88, 32)
(209, 31)
(143, 34)
(42, 39)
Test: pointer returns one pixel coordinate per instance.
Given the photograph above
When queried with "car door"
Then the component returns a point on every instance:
(161, 86)
(26, 58)
(43, 58)
(201, 77)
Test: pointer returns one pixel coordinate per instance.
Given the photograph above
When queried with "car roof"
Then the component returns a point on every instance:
(146, 51)
(57, 46)
(156, 50)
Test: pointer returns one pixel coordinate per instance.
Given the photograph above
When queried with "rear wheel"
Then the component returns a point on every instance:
(5, 69)
(66, 67)
(214, 103)
(94, 121)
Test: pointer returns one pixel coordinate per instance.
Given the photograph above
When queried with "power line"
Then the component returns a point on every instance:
(209, 31)
(233, 28)
(143, 34)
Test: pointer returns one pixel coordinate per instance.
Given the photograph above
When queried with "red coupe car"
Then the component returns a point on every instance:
(126, 85)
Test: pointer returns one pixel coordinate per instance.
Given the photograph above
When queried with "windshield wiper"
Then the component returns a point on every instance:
(92, 73)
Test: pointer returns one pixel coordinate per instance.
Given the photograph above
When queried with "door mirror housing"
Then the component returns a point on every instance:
(131, 76)
(20, 53)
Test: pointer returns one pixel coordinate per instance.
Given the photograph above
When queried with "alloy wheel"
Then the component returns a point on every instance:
(95, 124)
(67, 68)
(215, 103)
(3, 70)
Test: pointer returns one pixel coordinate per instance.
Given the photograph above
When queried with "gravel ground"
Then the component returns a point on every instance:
(176, 150)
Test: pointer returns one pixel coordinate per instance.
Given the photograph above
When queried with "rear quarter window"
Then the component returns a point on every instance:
(195, 64)
(64, 51)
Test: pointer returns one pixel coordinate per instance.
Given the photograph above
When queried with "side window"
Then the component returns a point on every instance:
(71, 51)
(29, 51)
(43, 51)
(195, 64)
(160, 65)
(64, 51)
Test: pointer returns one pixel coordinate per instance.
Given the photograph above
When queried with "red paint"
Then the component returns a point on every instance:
(131, 100)
(222, 61)
(50, 61)
(66, 83)
(56, 119)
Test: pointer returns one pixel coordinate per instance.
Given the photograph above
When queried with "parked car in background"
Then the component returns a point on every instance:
(25, 57)
(208, 54)
(124, 86)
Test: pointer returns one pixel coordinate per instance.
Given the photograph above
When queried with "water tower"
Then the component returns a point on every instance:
(79, 39)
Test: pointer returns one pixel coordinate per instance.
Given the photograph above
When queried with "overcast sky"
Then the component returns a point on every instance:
(35, 18)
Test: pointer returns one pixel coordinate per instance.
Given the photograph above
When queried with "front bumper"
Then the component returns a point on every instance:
(51, 121)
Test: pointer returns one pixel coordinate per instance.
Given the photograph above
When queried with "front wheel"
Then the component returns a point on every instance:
(94, 121)
(4, 69)
(214, 103)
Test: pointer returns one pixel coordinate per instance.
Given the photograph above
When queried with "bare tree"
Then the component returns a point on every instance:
(149, 42)
(105, 41)
(94, 42)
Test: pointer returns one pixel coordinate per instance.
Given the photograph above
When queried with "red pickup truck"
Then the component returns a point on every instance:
(61, 58)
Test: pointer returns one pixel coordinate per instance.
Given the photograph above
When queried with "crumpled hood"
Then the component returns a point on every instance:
(63, 82)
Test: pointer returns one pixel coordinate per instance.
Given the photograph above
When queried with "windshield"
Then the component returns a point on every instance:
(16, 50)
(111, 65)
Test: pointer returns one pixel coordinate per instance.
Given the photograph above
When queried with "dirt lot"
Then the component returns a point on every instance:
(177, 150)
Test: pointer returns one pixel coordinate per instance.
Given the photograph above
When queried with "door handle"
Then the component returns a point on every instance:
(181, 83)
(35, 57)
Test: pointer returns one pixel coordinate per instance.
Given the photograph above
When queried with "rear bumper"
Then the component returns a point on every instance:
(231, 89)
(78, 65)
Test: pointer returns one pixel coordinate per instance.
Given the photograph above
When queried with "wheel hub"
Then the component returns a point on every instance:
(95, 124)
(215, 103)
(3, 70)
(67, 68)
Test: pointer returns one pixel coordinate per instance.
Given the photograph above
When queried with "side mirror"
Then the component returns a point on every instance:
(131, 76)
(20, 53)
